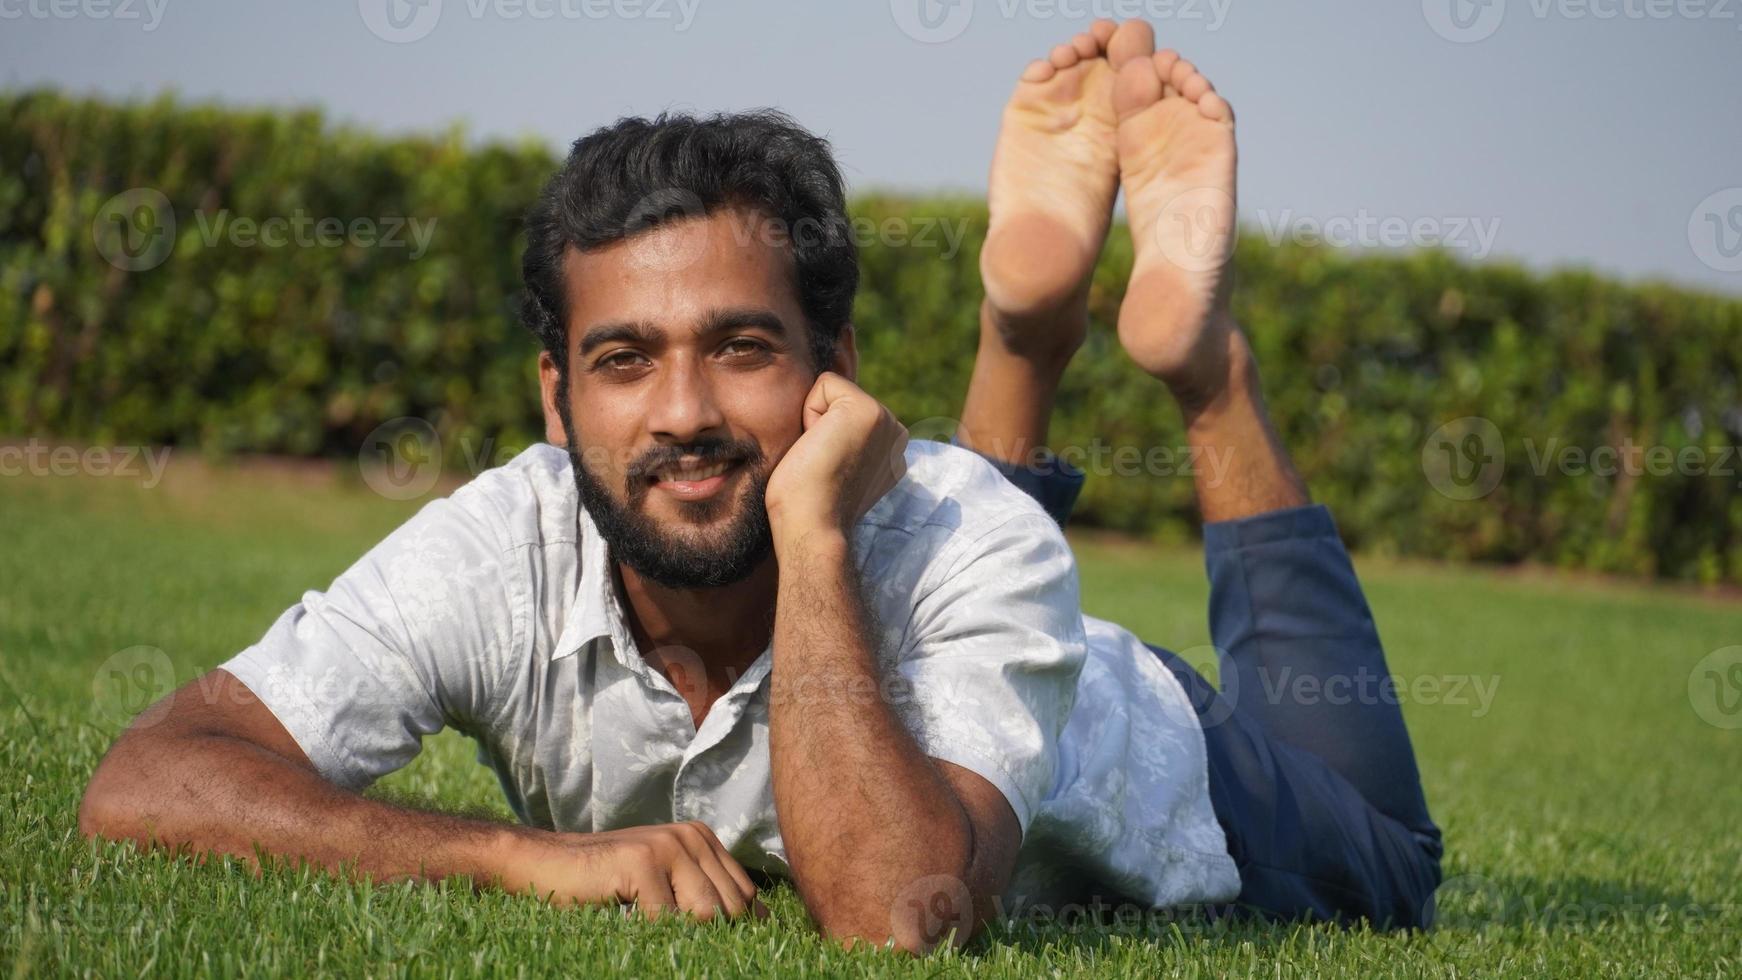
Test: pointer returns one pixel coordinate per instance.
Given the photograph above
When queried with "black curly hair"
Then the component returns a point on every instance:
(636, 173)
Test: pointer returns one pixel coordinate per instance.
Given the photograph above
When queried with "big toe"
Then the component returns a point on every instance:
(1133, 40)
(1136, 87)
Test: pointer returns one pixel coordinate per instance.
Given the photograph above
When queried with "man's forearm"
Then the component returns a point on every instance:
(1242, 467)
(216, 794)
(863, 812)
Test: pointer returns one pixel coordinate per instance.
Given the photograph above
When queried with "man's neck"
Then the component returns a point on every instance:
(725, 628)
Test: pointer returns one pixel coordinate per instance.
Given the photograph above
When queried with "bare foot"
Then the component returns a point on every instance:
(1176, 161)
(1055, 174)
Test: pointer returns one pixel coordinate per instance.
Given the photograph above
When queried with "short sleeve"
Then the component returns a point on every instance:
(410, 639)
(993, 654)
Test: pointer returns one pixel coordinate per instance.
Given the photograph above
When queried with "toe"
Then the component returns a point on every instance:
(1063, 56)
(1086, 45)
(1133, 39)
(1164, 62)
(1136, 87)
(1103, 30)
(1183, 71)
(1039, 70)
(1196, 87)
(1213, 107)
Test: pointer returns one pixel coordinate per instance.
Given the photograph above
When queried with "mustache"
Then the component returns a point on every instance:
(708, 451)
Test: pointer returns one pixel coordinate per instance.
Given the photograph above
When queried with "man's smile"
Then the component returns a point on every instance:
(697, 480)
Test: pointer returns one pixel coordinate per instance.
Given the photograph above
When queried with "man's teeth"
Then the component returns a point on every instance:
(692, 475)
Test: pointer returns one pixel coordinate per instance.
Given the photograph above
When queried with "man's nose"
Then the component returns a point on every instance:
(684, 407)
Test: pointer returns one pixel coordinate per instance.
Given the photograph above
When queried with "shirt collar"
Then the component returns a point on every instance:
(595, 614)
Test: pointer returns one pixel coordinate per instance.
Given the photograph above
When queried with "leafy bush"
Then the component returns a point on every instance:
(232, 343)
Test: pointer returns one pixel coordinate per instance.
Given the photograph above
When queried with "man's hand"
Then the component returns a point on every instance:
(850, 455)
(680, 866)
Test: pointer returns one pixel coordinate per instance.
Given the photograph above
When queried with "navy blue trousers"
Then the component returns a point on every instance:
(1312, 775)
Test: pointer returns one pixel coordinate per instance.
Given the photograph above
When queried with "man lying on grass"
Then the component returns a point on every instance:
(737, 622)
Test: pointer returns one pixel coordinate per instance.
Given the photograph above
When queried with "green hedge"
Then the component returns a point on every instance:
(305, 349)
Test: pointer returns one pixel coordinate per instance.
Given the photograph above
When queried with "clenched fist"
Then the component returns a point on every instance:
(850, 455)
(658, 868)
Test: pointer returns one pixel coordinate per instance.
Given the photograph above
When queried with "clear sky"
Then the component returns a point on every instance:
(1592, 132)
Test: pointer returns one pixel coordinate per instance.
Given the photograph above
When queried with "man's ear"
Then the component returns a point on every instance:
(548, 383)
(846, 360)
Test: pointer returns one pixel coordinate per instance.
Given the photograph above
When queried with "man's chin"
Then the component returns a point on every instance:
(709, 543)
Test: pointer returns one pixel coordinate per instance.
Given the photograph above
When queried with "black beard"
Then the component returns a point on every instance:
(640, 543)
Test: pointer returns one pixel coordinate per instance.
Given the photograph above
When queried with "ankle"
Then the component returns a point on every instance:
(1226, 379)
(1044, 342)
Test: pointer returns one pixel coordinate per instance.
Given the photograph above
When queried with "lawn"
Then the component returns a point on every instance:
(1590, 799)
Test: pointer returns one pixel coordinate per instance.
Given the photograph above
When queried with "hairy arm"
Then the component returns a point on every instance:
(214, 772)
(885, 843)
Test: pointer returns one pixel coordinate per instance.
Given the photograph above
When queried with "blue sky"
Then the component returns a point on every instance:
(1558, 132)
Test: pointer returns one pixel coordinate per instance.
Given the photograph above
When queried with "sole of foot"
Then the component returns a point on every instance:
(1177, 162)
(1055, 174)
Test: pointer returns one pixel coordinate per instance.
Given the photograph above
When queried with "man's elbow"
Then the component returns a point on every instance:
(109, 809)
(932, 910)
(101, 814)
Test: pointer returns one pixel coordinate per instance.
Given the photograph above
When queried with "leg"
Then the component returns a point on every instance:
(1321, 802)
(1055, 173)
(1285, 605)
(1307, 842)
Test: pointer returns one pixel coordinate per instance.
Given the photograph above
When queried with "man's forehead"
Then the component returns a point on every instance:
(730, 247)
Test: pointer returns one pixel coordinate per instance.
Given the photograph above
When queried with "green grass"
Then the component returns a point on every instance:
(1591, 813)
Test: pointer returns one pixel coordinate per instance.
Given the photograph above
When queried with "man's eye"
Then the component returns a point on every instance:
(620, 361)
(742, 346)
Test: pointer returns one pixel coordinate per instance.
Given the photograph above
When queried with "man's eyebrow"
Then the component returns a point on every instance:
(733, 318)
(635, 332)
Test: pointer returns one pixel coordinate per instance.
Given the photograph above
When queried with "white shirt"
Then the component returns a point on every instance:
(494, 612)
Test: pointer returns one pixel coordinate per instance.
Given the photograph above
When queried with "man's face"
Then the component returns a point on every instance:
(689, 364)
